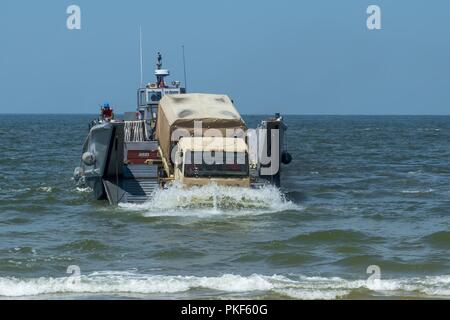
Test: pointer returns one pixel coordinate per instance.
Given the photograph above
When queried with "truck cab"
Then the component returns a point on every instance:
(204, 160)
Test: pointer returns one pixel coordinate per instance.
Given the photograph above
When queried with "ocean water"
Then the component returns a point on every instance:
(361, 191)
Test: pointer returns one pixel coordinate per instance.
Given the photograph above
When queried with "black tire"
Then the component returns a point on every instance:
(286, 157)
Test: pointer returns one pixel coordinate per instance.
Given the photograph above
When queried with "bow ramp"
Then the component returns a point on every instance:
(138, 178)
(136, 186)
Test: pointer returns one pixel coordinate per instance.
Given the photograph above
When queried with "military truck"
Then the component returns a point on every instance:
(202, 140)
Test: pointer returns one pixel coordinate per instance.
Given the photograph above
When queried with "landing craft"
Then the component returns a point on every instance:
(125, 160)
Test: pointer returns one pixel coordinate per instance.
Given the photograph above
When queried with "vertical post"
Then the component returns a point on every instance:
(141, 56)
(184, 66)
(117, 168)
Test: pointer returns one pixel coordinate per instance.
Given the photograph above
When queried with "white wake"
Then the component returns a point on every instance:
(213, 200)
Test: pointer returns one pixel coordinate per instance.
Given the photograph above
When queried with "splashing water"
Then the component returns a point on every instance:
(213, 199)
(84, 190)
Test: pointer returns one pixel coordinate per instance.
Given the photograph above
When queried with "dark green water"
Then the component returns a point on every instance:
(361, 191)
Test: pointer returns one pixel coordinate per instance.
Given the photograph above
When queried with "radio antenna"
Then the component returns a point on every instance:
(184, 66)
(141, 55)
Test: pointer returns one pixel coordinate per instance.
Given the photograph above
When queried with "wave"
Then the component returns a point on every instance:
(441, 238)
(213, 200)
(294, 287)
(418, 191)
(15, 191)
(333, 236)
(415, 173)
(20, 190)
(24, 250)
(45, 189)
(84, 190)
(83, 245)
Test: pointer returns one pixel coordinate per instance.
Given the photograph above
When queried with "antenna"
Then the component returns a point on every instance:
(184, 66)
(141, 56)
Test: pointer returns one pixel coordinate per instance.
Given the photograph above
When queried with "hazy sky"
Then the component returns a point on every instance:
(296, 57)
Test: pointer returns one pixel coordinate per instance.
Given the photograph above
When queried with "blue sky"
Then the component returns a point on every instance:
(295, 57)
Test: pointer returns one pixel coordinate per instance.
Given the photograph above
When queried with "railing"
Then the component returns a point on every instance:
(135, 131)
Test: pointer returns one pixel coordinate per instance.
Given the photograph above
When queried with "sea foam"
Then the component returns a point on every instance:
(295, 287)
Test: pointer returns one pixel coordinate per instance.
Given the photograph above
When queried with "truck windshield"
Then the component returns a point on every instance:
(231, 164)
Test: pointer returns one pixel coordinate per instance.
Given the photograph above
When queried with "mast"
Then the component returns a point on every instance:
(160, 73)
(141, 56)
(184, 66)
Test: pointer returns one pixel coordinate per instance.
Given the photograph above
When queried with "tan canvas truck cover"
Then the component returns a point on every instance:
(181, 111)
